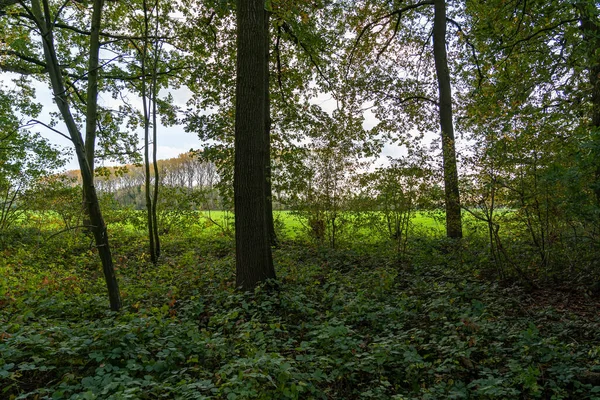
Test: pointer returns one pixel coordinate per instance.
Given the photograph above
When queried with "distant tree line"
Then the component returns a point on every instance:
(126, 183)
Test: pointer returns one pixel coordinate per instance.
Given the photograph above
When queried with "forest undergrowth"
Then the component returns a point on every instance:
(338, 324)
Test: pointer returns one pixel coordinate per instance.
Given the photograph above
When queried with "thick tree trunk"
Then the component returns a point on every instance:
(254, 262)
(99, 231)
(268, 189)
(452, 197)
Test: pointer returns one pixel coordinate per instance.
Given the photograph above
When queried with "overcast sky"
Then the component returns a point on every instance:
(172, 140)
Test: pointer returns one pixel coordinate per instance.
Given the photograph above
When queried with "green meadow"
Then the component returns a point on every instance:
(294, 224)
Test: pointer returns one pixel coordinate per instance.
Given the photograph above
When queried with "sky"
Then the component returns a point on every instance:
(172, 140)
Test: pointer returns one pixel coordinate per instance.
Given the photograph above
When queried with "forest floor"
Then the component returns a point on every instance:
(339, 324)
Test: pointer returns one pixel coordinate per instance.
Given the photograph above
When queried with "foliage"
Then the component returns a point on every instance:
(509, 311)
(322, 198)
(178, 210)
(391, 197)
(27, 160)
(340, 324)
(25, 157)
(60, 196)
(533, 140)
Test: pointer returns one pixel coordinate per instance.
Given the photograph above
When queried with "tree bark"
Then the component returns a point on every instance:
(254, 262)
(44, 23)
(155, 146)
(452, 196)
(92, 92)
(147, 99)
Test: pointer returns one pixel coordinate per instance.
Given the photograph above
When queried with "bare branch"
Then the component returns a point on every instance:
(35, 121)
(69, 229)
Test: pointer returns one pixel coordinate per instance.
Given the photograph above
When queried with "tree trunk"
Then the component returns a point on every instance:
(146, 103)
(45, 23)
(155, 146)
(254, 262)
(92, 92)
(268, 189)
(452, 197)
(591, 33)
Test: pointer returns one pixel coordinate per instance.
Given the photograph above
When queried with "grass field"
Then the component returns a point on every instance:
(294, 224)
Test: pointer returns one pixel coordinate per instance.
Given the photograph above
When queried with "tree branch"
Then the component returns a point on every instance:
(401, 100)
(32, 60)
(473, 52)
(538, 32)
(389, 41)
(288, 29)
(371, 24)
(278, 58)
(6, 3)
(24, 57)
(84, 32)
(35, 121)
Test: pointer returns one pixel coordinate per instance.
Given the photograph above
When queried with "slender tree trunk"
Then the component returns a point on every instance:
(154, 141)
(44, 22)
(591, 32)
(452, 197)
(254, 262)
(146, 102)
(92, 93)
(148, 184)
(268, 189)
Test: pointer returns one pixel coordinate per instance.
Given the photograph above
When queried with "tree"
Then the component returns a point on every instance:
(392, 195)
(452, 197)
(589, 20)
(41, 14)
(409, 94)
(267, 132)
(529, 109)
(25, 157)
(149, 53)
(294, 65)
(254, 262)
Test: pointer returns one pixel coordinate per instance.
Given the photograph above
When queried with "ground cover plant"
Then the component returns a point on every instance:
(343, 323)
(388, 200)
